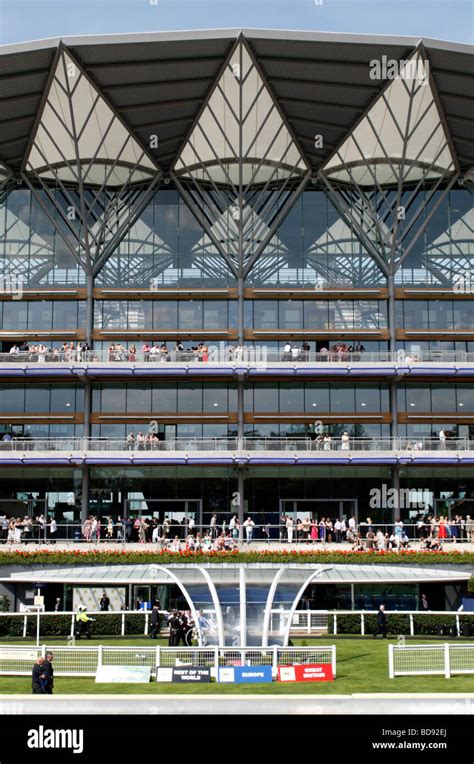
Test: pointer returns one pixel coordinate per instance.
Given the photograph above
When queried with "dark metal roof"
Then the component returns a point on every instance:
(158, 82)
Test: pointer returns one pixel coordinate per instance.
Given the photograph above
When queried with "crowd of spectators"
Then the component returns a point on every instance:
(430, 531)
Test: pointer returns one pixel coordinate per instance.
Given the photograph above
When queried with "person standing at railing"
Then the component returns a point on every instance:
(345, 441)
(469, 528)
(442, 532)
(289, 529)
(249, 526)
(53, 529)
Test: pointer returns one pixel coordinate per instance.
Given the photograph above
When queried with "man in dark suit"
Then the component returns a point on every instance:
(174, 629)
(381, 622)
(37, 676)
(155, 621)
(48, 673)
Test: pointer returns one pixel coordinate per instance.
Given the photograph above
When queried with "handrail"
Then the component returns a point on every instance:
(249, 354)
(253, 444)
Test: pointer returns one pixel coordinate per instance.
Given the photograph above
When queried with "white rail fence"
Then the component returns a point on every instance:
(335, 622)
(443, 659)
(304, 621)
(84, 661)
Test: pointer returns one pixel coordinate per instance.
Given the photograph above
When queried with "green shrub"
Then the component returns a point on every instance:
(4, 604)
(350, 623)
(109, 624)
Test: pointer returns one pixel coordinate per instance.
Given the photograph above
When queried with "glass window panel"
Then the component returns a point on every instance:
(384, 398)
(248, 313)
(15, 315)
(37, 398)
(399, 307)
(316, 397)
(63, 399)
(232, 398)
(164, 397)
(214, 398)
(266, 398)
(463, 314)
(190, 397)
(316, 314)
(417, 398)
(233, 312)
(40, 315)
(341, 314)
(248, 398)
(416, 314)
(189, 431)
(265, 314)
(370, 314)
(64, 314)
(342, 398)
(440, 314)
(215, 314)
(290, 314)
(113, 398)
(114, 314)
(12, 398)
(443, 398)
(165, 314)
(367, 398)
(291, 398)
(139, 398)
(140, 314)
(190, 314)
(98, 307)
(214, 431)
(465, 398)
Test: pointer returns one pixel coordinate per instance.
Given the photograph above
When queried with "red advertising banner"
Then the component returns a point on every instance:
(307, 672)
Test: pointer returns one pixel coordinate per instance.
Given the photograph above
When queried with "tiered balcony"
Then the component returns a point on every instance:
(238, 451)
(251, 363)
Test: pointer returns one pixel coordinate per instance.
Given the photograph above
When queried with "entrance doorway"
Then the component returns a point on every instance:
(177, 511)
(315, 509)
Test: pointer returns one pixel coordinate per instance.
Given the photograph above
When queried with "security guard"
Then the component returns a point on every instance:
(82, 623)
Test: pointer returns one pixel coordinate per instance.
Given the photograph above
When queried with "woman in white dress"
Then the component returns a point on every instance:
(289, 529)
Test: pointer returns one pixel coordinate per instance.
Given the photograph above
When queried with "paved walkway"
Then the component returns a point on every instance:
(255, 546)
(457, 704)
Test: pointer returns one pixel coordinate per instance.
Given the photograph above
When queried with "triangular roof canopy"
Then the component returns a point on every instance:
(240, 121)
(75, 111)
(401, 137)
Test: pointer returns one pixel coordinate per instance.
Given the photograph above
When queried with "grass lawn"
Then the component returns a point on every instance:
(362, 667)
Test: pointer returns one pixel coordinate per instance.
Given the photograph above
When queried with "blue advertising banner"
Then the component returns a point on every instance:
(239, 674)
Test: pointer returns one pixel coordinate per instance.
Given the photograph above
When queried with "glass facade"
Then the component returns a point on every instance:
(243, 239)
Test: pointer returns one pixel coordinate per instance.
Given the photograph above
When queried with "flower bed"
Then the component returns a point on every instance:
(104, 557)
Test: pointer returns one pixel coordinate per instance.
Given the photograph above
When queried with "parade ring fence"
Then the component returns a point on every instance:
(311, 622)
(445, 659)
(84, 661)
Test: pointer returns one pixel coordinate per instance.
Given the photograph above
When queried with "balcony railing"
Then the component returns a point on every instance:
(235, 445)
(250, 355)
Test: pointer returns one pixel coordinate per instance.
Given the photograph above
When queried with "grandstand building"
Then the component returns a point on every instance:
(253, 247)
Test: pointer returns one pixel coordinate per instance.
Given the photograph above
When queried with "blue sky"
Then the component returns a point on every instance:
(22, 20)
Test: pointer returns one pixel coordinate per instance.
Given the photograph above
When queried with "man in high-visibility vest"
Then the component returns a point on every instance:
(82, 623)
